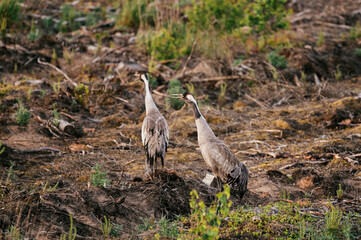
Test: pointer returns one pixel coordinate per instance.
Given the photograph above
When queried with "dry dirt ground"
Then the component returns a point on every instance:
(299, 138)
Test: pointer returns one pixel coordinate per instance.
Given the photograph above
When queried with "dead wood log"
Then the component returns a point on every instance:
(67, 127)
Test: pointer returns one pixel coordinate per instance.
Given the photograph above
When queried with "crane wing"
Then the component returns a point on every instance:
(220, 158)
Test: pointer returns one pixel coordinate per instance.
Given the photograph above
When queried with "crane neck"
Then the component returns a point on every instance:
(149, 103)
(197, 113)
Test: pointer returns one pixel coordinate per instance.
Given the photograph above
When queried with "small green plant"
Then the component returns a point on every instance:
(168, 229)
(30, 91)
(274, 74)
(56, 118)
(68, 55)
(175, 87)
(81, 93)
(146, 225)
(11, 174)
(205, 222)
(338, 74)
(355, 32)
(152, 81)
(339, 192)
(34, 33)
(278, 61)
(72, 231)
(358, 52)
(49, 189)
(9, 13)
(116, 230)
(222, 94)
(106, 227)
(98, 177)
(303, 76)
(333, 219)
(22, 115)
(2, 149)
(285, 194)
(190, 88)
(13, 233)
(320, 38)
(54, 57)
(67, 21)
(56, 86)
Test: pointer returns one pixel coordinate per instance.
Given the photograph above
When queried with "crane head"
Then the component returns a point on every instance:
(142, 76)
(187, 97)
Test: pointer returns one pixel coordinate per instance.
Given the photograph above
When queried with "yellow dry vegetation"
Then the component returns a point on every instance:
(281, 124)
(239, 106)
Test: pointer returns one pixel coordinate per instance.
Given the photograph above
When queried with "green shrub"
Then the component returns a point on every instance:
(265, 16)
(129, 14)
(358, 52)
(98, 177)
(9, 13)
(276, 60)
(22, 115)
(34, 33)
(67, 21)
(175, 86)
(223, 15)
(205, 222)
(168, 229)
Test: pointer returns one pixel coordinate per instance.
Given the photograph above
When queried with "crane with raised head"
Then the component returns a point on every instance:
(155, 132)
(222, 161)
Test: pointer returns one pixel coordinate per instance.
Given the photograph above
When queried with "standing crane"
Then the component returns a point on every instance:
(224, 164)
(155, 133)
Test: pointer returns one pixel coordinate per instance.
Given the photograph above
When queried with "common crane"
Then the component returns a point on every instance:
(155, 133)
(224, 164)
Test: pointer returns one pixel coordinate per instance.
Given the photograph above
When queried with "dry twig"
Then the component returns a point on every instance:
(58, 70)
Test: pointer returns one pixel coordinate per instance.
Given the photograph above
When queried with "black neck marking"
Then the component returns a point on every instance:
(197, 114)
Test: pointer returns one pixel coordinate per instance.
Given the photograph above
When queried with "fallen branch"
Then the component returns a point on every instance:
(255, 100)
(220, 78)
(160, 94)
(190, 56)
(60, 71)
(35, 150)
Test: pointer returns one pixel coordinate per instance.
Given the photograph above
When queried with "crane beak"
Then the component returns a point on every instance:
(180, 96)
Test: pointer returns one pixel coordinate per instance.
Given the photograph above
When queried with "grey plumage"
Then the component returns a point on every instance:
(155, 133)
(224, 164)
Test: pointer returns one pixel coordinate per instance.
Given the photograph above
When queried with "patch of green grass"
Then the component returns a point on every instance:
(175, 87)
(98, 177)
(278, 61)
(72, 231)
(9, 13)
(355, 32)
(22, 115)
(13, 233)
